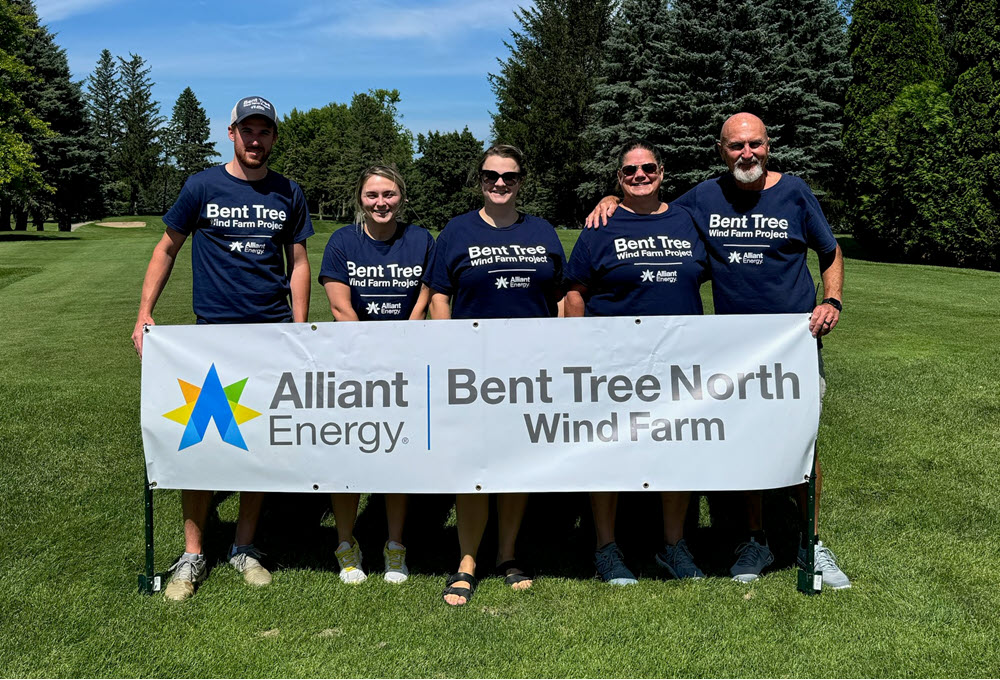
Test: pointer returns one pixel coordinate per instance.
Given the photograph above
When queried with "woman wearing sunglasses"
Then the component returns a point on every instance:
(371, 272)
(648, 261)
(490, 263)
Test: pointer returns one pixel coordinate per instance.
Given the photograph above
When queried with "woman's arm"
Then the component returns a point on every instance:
(340, 300)
(440, 305)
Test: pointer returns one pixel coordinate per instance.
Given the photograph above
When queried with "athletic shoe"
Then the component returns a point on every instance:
(349, 559)
(678, 561)
(611, 566)
(246, 560)
(189, 570)
(825, 561)
(753, 558)
(395, 562)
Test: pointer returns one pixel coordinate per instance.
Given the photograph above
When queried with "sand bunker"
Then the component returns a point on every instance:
(122, 225)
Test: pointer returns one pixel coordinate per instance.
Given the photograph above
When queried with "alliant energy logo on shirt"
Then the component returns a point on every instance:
(245, 216)
(390, 275)
(509, 254)
(516, 281)
(661, 276)
(384, 308)
(652, 246)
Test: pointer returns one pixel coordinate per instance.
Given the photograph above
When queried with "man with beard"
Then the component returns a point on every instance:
(248, 227)
(757, 225)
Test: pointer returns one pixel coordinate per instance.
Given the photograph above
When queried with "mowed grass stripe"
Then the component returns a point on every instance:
(910, 439)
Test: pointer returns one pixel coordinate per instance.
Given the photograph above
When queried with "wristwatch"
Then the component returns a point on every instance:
(834, 302)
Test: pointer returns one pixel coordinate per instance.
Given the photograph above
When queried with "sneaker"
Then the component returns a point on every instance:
(753, 558)
(246, 560)
(826, 562)
(188, 571)
(678, 561)
(395, 562)
(349, 559)
(611, 566)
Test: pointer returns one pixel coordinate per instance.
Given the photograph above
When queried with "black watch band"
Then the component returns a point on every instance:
(834, 302)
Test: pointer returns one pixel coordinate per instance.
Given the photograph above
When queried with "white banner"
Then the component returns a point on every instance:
(656, 403)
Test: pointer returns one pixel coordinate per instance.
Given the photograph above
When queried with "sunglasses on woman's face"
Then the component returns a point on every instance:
(647, 168)
(491, 177)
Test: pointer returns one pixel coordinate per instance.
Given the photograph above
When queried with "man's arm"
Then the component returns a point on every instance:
(419, 312)
(298, 280)
(157, 273)
(598, 217)
(825, 316)
(440, 305)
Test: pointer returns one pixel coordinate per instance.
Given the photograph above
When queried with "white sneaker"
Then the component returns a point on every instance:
(246, 560)
(188, 571)
(395, 562)
(349, 559)
(826, 562)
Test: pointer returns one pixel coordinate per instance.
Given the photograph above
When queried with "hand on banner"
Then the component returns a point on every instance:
(140, 331)
(823, 320)
(598, 217)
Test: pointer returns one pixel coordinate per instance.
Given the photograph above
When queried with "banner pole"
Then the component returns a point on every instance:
(149, 581)
(810, 581)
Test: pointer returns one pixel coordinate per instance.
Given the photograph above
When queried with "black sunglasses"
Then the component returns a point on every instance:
(648, 168)
(491, 177)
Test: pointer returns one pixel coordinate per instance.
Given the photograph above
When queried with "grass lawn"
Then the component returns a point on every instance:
(910, 442)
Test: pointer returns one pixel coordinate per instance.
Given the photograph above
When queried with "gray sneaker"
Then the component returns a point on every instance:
(247, 562)
(826, 562)
(611, 567)
(678, 561)
(753, 559)
(187, 572)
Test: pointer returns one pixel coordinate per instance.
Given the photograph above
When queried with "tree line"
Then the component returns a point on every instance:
(889, 109)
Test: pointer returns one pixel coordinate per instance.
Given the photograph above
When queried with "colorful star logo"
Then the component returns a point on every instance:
(210, 402)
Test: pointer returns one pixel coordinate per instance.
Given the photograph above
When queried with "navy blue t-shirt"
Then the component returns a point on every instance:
(641, 265)
(757, 242)
(239, 231)
(384, 276)
(498, 272)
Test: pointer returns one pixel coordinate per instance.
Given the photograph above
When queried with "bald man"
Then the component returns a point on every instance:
(757, 225)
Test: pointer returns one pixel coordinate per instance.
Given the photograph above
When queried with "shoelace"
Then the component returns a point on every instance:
(609, 562)
(396, 558)
(749, 553)
(825, 559)
(348, 557)
(683, 556)
(183, 569)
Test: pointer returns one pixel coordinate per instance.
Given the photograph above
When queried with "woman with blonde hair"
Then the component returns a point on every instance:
(371, 272)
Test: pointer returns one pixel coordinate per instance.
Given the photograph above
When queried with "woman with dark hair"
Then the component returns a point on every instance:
(371, 272)
(662, 278)
(464, 286)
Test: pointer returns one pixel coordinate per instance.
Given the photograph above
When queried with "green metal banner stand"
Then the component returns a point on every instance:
(149, 581)
(811, 581)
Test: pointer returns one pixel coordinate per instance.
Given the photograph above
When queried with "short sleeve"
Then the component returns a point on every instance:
(334, 265)
(184, 213)
(580, 268)
(438, 276)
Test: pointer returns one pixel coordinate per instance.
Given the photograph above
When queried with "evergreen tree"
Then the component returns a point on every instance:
(622, 92)
(139, 154)
(439, 185)
(19, 174)
(103, 102)
(544, 91)
(188, 135)
(895, 44)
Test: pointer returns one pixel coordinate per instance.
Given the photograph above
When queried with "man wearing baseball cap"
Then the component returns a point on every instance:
(248, 227)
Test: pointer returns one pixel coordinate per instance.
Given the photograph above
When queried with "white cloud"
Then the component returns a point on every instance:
(54, 10)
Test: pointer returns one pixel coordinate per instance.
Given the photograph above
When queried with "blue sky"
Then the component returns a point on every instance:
(302, 54)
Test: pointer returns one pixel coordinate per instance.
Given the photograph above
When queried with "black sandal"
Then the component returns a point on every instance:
(511, 579)
(461, 591)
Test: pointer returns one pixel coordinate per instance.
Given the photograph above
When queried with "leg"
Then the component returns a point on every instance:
(395, 514)
(345, 513)
(604, 505)
(510, 512)
(194, 506)
(755, 510)
(675, 505)
(246, 525)
(471, 512)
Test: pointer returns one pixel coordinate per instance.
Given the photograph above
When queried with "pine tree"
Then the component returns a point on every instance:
(188, 135)
(139, 153)
(103, 102)
(544, 91)
(622, 91)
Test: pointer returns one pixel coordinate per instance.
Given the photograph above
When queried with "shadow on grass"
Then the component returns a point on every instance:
(556, 539)
(36, 236)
